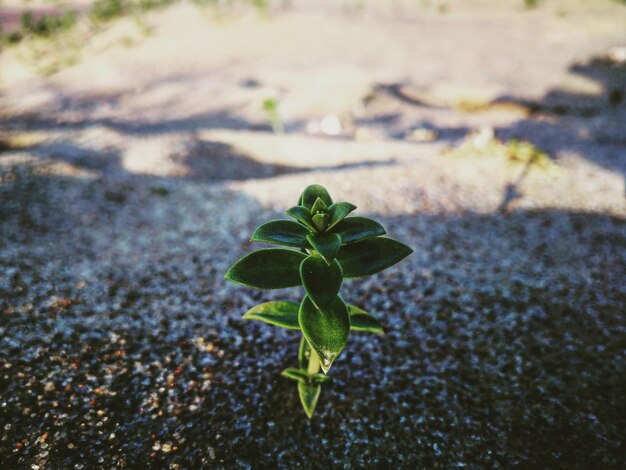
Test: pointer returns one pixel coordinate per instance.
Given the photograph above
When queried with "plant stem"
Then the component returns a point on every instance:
(314, 364)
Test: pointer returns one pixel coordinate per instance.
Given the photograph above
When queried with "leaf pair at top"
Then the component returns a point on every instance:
(293, 234)
(326, 235)
(317, 214)
(300, 375)
(317, 208)
(320, 225)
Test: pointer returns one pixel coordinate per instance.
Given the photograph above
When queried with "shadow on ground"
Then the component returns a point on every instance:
(122, 345)
(590, 125)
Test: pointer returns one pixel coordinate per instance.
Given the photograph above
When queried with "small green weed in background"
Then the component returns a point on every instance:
(106, 10)
(41, 27)
(270, 106)
(484, 143)
(102, 12)
(262, 6)
(44, 26)
(47, 25)
(526, 152)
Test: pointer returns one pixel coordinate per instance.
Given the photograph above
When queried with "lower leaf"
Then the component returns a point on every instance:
(320, 378)
(325, 330)
(280, 313)
(360, 320)
(309, 394)
(295, 374)
(304, 353)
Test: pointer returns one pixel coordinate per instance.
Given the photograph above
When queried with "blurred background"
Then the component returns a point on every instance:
(142, 141)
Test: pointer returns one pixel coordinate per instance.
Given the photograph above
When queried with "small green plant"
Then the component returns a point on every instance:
(270, 106)
(147, 5)
(107, 10)
(328, 248)
(523, 151)
(47, 25)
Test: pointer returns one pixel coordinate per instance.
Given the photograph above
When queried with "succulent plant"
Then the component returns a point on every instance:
(328, 247)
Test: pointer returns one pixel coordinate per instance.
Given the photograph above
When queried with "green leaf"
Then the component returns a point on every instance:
(321, 281)
(355, 229)
(280, 313)
(326, 331)
(320, 379)
(272, 268)
(285, 315)
(309, 394)
(295, 374)
(371, 256)
(311, 193)
(321, 221)
(281, 232)
(318, 206)
(302, 215)
(326, 244)
(338, 211)
(304, 352)
(360, 320)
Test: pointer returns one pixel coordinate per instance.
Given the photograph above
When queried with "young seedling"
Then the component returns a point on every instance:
(270, 106)
(328, 248)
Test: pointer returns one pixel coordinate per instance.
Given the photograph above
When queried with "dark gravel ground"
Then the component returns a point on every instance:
(131, 181)
(122, 346)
